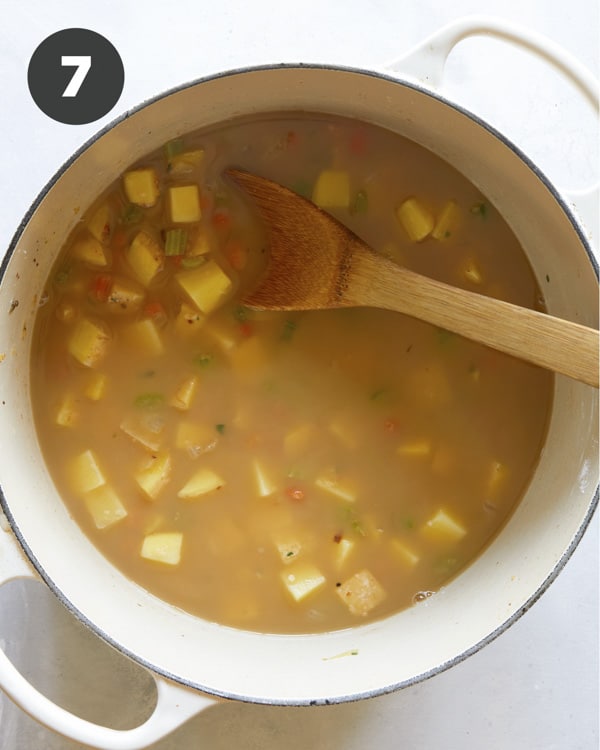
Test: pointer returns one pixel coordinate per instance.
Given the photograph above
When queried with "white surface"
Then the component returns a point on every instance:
(536, 687)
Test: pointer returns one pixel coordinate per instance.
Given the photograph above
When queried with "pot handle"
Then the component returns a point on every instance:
(174, 706)
(425, 64)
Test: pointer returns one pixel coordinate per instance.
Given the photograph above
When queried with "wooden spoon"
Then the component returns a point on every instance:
(318, 263)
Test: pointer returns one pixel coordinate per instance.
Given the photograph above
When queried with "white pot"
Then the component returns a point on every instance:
(191, 658)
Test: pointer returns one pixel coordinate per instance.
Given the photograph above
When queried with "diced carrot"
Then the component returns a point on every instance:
(236, 253)
(246, 329)
(207, 201)
(295, 493)
(101, 286)
(221, 219)
(291, 138)
(358, 142)
(119, 239)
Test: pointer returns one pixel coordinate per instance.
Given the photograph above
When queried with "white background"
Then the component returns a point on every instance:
(535, 687)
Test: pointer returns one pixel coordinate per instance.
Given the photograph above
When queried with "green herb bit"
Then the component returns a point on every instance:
(351, 652)
(360, 204)
(479, 209)
(174, 147)
(149, 400)
(176, 241)
(289, 328)
(204, 360)
(241, 313)
(62, 276)
(220, 428)
(357, 527)
(132, 214)
(445, 337)
(194, 261)
(378, 394)
(409, 523)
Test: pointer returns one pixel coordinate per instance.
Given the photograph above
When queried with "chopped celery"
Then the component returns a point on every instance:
(149, 401)
(360, 204)
(174, 147)
(176, 241)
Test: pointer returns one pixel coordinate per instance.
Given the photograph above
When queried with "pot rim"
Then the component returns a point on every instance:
(552, 575)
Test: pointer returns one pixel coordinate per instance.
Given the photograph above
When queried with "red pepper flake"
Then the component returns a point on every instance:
(291, 138)
(390, 425)
(295, 493)
(337, 538)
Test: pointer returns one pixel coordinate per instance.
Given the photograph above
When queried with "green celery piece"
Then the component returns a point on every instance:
(176, 241)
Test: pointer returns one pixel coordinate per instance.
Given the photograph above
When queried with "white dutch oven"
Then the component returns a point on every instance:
(194, 661)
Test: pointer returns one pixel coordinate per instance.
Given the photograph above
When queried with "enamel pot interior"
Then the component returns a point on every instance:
(399, 650)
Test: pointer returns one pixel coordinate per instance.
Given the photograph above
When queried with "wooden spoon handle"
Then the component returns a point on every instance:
(559, 345)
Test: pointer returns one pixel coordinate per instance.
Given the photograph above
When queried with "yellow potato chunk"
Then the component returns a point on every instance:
(101, 223)
(185, 162)
(302, 580)
(144, 336)
(361, 593)
(89, 342)
(141, 187)
(342, 550)
(201, 483)
(442, 525)
(332, 189)
(264, 482)
(288, 549)
(419, 448)
(125, 296)
(404, 553)
(163, 547)
(67, 414)
(416, 219)
(447, 221)
(145, 256)
(91, 251)
(195, 438)
(184, 395)
(96, 386)
(330, 483)
(154, 475)
(184, 204)
(206, 286)
(84, 473)
(105, 506)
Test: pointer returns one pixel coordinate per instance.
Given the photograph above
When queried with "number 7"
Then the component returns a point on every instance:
(82, 63)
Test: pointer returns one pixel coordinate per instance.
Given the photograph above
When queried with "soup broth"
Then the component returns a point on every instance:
(282, 472)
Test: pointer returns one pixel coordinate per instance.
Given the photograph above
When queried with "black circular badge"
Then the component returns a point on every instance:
(75, 76)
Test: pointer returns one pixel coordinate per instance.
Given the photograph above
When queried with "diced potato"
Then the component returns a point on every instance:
(416, 219)
(342, 550)
(203, 482)
(144, 336)
(361, 593)
(447, 222)
(101, 223)
(497, 475)
(125, 296)
(184, 395)
(442, 525)
(89, 342)
(84, 473)
(297, 440)
(145, 256)
(184, 204)
(471, 271)
(67, 414)
(330, 483)
(265, 485)
(251, 356)
(206, 286)
(189, 320)
(195, 438)
(288, 549)
(345, 429)
(105, 506)
(144, 429)
(90, 250)
(332, 189)
(185, 162)
(224, 334)
(404, 553)
(202, 243)
(154, 474)
(302, 580)
(163, 547)
(141, 187)
(96, 386)
(419, 448)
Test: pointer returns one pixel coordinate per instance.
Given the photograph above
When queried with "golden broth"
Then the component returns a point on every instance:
(273, 471)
